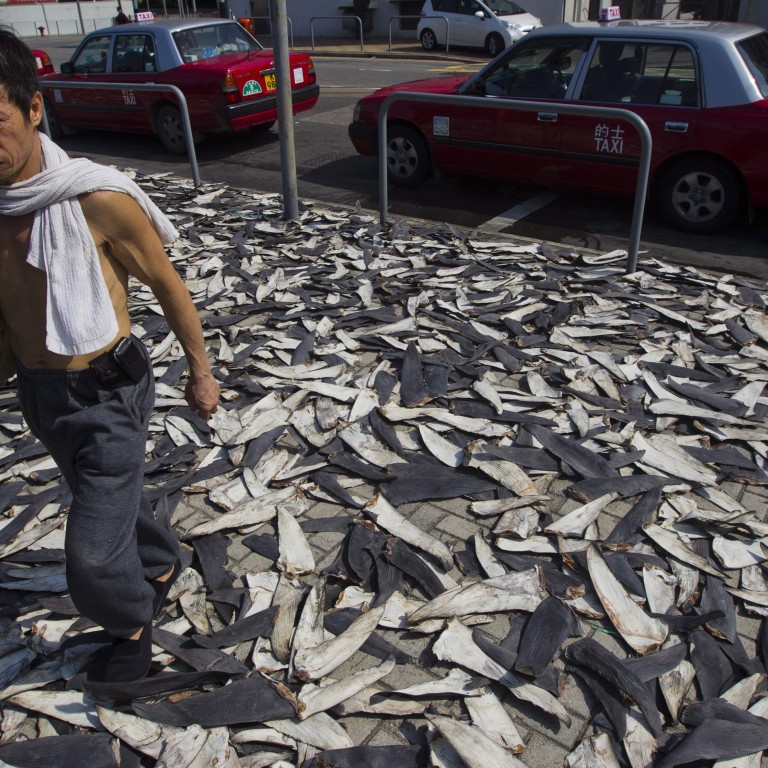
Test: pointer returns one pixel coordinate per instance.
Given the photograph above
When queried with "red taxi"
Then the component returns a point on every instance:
(227, 79)
(701, 87)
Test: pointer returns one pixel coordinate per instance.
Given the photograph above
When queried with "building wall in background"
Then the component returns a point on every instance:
(59, 18)
(754, 12)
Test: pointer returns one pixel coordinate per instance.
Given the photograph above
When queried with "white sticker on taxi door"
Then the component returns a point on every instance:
(441, 126)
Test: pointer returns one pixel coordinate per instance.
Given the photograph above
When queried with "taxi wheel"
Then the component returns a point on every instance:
(407, 157)
(263, 127)
(700, 195)
(428, 40)
(494, 44)
(170, 129)
(54, 122)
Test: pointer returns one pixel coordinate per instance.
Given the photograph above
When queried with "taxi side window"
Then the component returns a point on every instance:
(134, 53)
(92, 58)
(625, 72)
(669, 77)
(538, 70)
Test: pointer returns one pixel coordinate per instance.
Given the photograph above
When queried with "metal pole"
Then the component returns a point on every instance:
(80, 16)
(525, 105)
(45, 18)
(279, 23)
(183, 108)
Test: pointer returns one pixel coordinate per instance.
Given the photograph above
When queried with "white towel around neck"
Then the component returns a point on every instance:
(80, 317)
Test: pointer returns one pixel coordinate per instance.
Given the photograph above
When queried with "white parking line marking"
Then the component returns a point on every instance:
(517, 212)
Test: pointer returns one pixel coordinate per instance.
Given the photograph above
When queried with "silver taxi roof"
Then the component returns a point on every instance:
(172, 25)
(694, 31)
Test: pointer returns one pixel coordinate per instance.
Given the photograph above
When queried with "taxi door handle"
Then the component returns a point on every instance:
(676, 127)
(547, 117)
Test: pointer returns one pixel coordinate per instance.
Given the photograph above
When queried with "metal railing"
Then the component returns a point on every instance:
(269, 19)
(444, 18)
(549, 107)
(184, 109)
(335, 18)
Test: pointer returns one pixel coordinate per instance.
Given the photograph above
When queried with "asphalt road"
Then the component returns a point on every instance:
(329, 170)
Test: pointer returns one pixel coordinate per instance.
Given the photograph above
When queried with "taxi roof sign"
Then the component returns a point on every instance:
(144, 17)
(611, 13)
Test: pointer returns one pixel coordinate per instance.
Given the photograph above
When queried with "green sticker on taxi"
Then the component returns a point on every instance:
(251, 88)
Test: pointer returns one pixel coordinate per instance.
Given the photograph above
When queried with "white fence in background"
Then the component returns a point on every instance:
(58, 18)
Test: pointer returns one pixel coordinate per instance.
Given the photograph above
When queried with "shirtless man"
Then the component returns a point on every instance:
(91, 407)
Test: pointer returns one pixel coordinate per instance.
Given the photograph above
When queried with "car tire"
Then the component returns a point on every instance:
(55, 127)
(701, 195)
(170, 129)
(408, 160)
(494, 44)
(263, 127)
(428, 40)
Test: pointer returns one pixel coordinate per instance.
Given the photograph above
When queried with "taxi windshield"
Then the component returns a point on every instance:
(504, 7)
(754, 51)
(208, 42)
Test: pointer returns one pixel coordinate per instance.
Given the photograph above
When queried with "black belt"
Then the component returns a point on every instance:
(124, 360)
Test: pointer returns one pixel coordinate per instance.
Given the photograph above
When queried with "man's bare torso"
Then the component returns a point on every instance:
(23, 293)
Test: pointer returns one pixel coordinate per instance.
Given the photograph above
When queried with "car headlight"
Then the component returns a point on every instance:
(512, 25)
(356, 113)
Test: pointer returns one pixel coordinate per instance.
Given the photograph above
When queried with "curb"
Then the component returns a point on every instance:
(388, 55)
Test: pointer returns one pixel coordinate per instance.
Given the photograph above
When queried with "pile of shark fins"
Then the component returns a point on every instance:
(480, 482)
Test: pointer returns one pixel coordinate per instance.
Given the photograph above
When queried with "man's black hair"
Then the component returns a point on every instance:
(18, 71)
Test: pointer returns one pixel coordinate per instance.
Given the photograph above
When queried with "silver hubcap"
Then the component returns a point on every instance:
(698, 197)
(428, 40)
(402, 157)
(172, 131)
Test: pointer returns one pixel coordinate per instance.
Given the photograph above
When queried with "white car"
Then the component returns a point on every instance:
(490, 24)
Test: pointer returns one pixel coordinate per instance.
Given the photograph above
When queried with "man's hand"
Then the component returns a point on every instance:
(202, 393)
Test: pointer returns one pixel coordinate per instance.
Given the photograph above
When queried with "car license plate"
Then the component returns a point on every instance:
(270, 82)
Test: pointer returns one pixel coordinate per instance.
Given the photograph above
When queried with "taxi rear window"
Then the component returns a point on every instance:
(211, 41)
(754, 51)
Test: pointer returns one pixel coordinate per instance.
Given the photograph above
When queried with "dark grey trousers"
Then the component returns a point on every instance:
(97, 436)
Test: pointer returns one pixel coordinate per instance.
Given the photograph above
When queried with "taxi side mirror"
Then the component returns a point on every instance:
(476, 89)
(67, 68)
(479, 14)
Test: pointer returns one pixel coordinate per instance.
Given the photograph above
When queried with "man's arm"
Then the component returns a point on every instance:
(132, 240)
